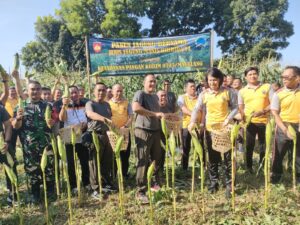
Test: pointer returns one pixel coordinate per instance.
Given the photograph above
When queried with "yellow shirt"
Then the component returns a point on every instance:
(255, 99)
(217, 106)
(190, 105)
(287, 102)
(10, 106)
(119, 112)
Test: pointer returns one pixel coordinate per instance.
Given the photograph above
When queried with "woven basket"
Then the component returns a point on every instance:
(220, 137)
(113, 138)
(173, 122)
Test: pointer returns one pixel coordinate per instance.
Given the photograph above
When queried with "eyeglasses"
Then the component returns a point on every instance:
(287, 78)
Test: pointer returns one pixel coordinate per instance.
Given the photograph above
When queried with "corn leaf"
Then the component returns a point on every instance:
(119, 145)
(96, 141)
(164, 126)
(10, 160)
(292, 132)
(61, 149)
(172, 143)
(12, 176)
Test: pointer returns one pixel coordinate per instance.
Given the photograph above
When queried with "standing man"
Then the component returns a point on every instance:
(255, 99)
(171, 97)
(187, 103)
(121, 117)
(46, 94)
(35, 137)
(98, 111)
(81, 92)
(237, 84)
(147, 134)
(72, 113)
(286, 111)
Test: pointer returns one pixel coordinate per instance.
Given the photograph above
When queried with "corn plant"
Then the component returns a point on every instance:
(193, 167)
(233, 135)
(199, 150)
(97, 146)
(292, 131)
(165, 132)
(63, 156)
(120, 174)
(14, 181)
(267, 162)
(172, 142)
(54, 147)
(149, 176)
(43, 167)
(73, 141)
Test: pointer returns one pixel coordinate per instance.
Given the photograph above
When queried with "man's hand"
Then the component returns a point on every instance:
(191, 127)
(5, 148)
(4, 76)
(159, 115)
(20, 113)
(288, 134)
(15, 74)
(65, 101)
(258, 113)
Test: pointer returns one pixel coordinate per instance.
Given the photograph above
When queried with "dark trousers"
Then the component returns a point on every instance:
(148, 151)
(214, 160)
(125, 158)
(252, 130)
(283, 145)
(186, 145)
(106, 161)
(82, 154)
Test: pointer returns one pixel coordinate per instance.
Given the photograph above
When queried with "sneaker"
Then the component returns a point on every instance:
(142, 198)
(95, 195)
(155, 188)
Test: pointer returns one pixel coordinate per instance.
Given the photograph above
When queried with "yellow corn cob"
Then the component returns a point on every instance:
(10, 160)
(12, 176)
(119, 145)
(164, 126)
(61, 149)
(48, 116)
(16, 62)
(73, 137)
(44, 160)
(66, 91)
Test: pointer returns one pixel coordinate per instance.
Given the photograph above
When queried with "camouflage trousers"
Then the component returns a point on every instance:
(32, 159)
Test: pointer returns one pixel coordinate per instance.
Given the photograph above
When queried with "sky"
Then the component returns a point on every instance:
(17, 18)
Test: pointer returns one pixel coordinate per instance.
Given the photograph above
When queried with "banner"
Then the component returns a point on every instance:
(119, 57)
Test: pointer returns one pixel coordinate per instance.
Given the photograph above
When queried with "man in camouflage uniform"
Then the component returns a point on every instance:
(35, 137)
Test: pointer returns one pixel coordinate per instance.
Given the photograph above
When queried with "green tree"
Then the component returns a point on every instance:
(252, 28)
(53, 42)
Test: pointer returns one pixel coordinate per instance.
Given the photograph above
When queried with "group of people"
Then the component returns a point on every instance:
(217, 100)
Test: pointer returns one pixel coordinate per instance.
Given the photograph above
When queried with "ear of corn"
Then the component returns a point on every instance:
(66, 91)
(9, 159)
(292, 132)
(119, 145)
(12, 176)
(272, 122)
(172, 143)
(73, 137)
(48, 115)
(149, 176)
(2, 70)
(96, 141)
(2, 141)
(54, 147)
(44, 160)
(234, 132)
(61, 149)
(16, 62)
(164, 126)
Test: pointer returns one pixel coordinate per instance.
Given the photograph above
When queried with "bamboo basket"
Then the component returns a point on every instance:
(113, 137)
(173, 122)
(220, 137)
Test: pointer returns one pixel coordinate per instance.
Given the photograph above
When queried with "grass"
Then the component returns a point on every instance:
(283, 203)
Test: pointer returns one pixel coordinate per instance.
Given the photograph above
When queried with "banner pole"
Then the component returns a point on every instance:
(211, 47)
(87, 56)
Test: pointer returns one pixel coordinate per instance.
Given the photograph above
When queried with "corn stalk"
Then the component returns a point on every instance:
(73, 140)
(54, 147)
(120, 174)
(233, 135)
(149, 176)
(97, 146)
(63, 156)
(294, 135)
(172, 142)
(43, 167)
(199, 150)
(165, 132)
(267, 162)
(14, 181)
